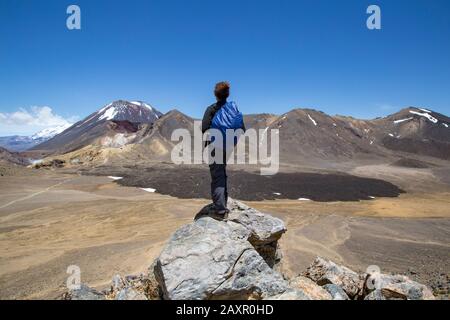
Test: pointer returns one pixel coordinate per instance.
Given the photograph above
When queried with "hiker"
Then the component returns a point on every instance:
(221, 115)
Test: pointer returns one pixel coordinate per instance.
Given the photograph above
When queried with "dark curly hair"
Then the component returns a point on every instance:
(222, 90)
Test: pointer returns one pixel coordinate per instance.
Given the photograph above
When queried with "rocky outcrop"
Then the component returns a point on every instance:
(264, 229)
(141, 287)
(395, 287)
(327, 272)
(310, 288)
(238, 259)
(336, 292)
(210, 259)
(343, 283)
(83, 293)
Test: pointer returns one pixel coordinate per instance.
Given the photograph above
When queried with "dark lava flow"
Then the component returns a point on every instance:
(191, 183)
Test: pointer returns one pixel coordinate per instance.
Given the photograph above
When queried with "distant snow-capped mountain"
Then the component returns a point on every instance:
(22, 143)
(49, 133)
(121, 110)
(114, 124)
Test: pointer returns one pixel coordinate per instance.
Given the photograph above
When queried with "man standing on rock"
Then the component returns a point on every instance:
(222, 115)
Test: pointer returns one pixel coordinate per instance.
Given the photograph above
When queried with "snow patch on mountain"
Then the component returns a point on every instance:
(50, 132)
(403, 120)
(105, 107)
(109, 114)
(133, 111)
(312, 120)
(425, 115)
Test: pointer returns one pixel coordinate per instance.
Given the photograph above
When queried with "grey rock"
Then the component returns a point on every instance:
(117, 284)
(129, 293)
(84, 293)
(152, 289)
(394, 287)
(336, 292)
(375, 295)
(251, 278)
(264, 229)
(198, 258)
(325, 272)
(271, 254)
(310, 288)
(135, 287)
(210, 259)
(290, 294)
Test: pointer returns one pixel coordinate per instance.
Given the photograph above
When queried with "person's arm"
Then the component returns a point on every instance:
(207, 118)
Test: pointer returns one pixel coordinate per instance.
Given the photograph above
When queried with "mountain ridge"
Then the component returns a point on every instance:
(305, 134)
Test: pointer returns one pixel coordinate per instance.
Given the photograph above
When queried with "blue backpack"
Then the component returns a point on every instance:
(228, 117)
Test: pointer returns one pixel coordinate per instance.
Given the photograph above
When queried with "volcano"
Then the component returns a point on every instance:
(114, 125)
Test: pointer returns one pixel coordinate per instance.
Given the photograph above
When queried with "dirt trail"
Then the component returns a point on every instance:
(35, 194)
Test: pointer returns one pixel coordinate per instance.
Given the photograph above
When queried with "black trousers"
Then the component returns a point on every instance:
(219, 191)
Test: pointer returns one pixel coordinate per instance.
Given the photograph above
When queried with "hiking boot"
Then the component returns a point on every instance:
(210, 211)
(221, 215)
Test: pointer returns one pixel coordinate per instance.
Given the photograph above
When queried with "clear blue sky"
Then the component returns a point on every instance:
(277, 55)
